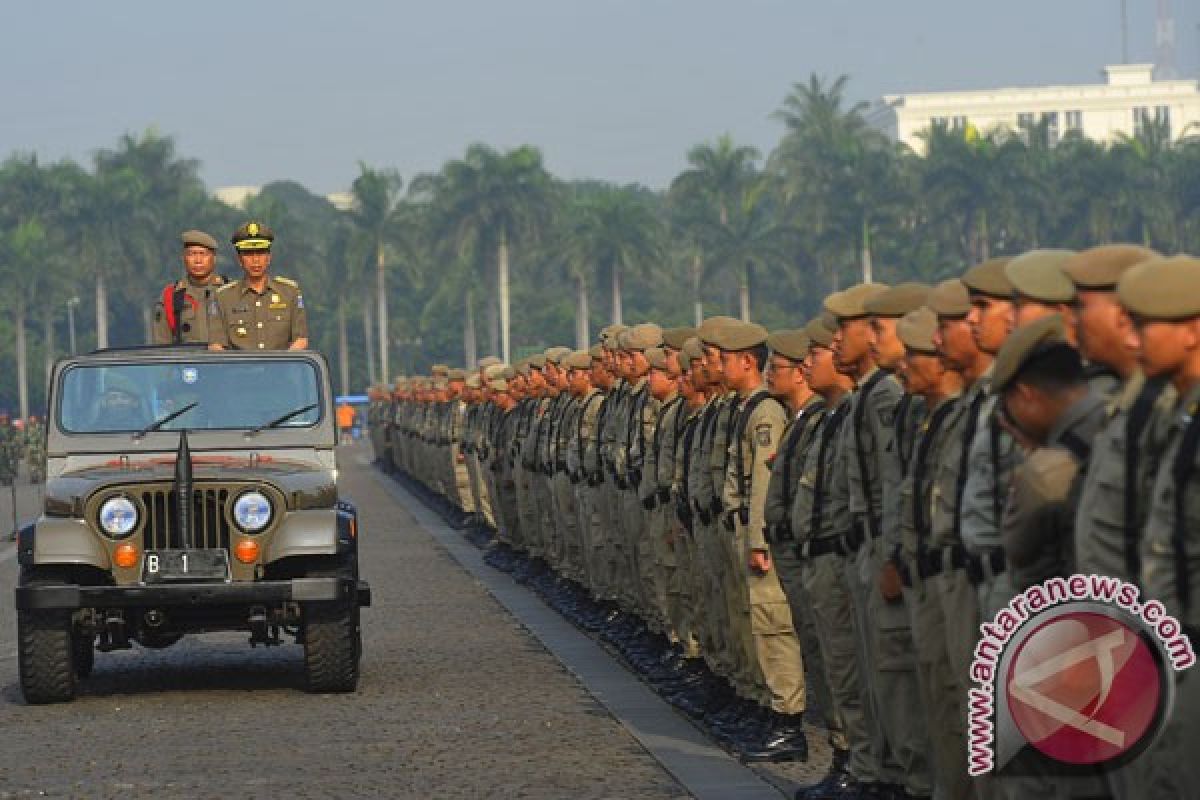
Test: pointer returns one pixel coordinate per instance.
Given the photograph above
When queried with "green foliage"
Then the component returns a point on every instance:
(832, 199)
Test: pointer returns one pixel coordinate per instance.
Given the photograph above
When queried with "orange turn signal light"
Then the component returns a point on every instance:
(353, 528)
(126, 555)
(246, 551)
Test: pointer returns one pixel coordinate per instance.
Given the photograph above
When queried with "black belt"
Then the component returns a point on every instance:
(778, 534)
(857, 535)
(935, 562)
(815, 548)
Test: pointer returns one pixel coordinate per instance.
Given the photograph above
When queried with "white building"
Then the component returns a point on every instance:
(1121, 104)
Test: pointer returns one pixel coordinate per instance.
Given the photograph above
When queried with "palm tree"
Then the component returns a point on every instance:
(376, 196)
(493, 200)
(754, 237)
(612, 230)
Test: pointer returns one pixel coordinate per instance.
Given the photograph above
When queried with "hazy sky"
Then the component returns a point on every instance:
(612, 89)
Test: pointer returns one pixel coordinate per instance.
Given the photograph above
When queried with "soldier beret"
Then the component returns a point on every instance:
(555, 355)
(596, 351)
(498, 385)
(736, 336)
(641, 337)
(1162, 288)
(1022, 345)
(820, 333)
(897, 300)
(1039, 276)
(916, 328)
(949, 299)
(692, 350)
(440, 382)
(252, 236)
(487, 361)
(199, 238)
(989, 278)
(1101, 267)
(493, 371)
(710, 326)
(473, 381)
(578, 359)
(791, 344)
(439, 369)
(675, 337)
(656, 357)
(456, 375)
(851, 303)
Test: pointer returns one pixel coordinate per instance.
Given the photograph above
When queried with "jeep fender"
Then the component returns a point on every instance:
(61, 540)
(315, 532)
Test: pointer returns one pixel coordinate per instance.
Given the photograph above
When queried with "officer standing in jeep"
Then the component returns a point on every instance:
(181, 314)
(260, 311)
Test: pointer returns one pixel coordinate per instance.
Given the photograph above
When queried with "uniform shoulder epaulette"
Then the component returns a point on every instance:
(287, 281)
(229, 285)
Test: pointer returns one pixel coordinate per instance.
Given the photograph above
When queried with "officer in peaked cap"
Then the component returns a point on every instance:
(259, 311)
(181, 313)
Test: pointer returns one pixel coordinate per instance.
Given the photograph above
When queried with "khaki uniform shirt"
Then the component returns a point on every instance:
(930, 446)
(787, 466)
(816, 513)
(242, 319)
(192, 319)
(752, 446)
(875, 411)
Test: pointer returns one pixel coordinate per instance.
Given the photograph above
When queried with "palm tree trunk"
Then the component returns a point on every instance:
(582, 323)
(984, 247)
(22, 356)
(381, 291)
(493, 321)
(697, 301)
(369, 339)
(101, 310)
(502, 286)
(868, 273)
(469, 347)
(48, 346)
(343, 346)
(744, 294)
(618, 317)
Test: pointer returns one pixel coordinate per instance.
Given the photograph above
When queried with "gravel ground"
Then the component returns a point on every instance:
(456, 700)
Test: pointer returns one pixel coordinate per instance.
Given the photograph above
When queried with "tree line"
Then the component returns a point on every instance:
(494, 254)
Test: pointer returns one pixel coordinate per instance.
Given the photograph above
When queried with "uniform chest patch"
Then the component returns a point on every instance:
(887, 417)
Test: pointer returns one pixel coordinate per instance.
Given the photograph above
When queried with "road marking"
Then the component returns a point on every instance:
(704, 770)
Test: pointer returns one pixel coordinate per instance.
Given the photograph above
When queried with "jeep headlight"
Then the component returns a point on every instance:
(118, 516)
(252, 511)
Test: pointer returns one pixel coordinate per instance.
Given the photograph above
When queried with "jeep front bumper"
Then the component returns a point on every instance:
(195, 595)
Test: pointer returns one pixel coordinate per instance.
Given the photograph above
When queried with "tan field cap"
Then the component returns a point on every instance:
(498, 385)
(916, 328)
(487, 361)
(692, 350)
(737, 336)
(1162, 289)
(1023, 344)
(656, 357)
(1039, 276)
(555, 355)
(898, 300)
(710, 326)
(990, 278)
(949, 299)
(1100, 268)
(473, 381)
(851, 303)
(596, 351)
(456, 375)
(578, 359)
(609, 334)
(641, 337)
(536, 361)
(494, 371)
(675, 337)
(819, 332)
(200, 239)
(439, 369)
(792, 344)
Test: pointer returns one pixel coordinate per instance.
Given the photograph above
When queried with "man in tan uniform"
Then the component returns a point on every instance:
(260, 311)
(181, 314)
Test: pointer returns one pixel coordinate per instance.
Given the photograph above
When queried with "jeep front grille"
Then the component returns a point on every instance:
(210, 525)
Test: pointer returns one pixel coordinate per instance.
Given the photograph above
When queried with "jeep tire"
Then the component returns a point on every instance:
(46, 656)
(332, 646)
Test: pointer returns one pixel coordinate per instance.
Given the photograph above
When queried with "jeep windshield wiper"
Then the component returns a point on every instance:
(282, 419)
(158, 423)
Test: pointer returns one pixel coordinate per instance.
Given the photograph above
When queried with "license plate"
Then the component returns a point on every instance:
(165, 566)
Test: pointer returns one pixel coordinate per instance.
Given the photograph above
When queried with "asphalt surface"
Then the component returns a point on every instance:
(456, 699)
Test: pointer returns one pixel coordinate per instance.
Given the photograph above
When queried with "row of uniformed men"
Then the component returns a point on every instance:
(871, 486)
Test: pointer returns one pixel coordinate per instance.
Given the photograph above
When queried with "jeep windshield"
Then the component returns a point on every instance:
(233, 395)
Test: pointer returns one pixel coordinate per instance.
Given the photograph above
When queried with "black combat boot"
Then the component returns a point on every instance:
(782, 740)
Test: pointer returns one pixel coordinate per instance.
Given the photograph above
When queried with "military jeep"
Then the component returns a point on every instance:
(187, 492)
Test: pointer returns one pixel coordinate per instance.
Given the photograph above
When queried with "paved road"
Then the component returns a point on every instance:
(456, 700)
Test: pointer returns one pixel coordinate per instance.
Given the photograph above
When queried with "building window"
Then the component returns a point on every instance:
(1050, 121)
(1025, 121)
(1074, 120)
(956, 123)
(1162, 116)
(1141, 116)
